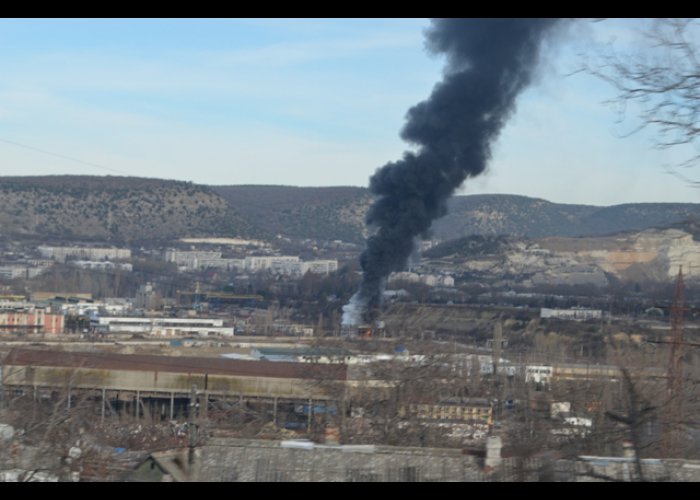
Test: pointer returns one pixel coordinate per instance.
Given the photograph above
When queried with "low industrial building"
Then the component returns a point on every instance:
(474, 410)
(163, 327)
(136, 376)
(571, 314)
(302, 354)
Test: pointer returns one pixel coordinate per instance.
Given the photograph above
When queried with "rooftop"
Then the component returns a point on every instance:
(177, 364)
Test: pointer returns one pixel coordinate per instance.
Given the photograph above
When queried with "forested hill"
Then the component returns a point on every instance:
(127, 209)
(135, 209)
(338, 213)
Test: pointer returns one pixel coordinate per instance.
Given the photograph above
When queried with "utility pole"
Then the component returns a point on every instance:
(496, 350)
(672, 435)
(192, 427)
(197, 291)
(497, 346)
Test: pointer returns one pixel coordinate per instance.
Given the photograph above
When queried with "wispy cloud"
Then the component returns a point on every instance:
(307, 102)
(289, 54)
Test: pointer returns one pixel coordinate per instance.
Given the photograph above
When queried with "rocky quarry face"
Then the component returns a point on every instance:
(650, 255)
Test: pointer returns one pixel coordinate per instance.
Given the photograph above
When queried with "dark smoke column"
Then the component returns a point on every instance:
(489, 62)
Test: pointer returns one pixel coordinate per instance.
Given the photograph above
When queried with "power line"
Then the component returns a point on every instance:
(64, 157)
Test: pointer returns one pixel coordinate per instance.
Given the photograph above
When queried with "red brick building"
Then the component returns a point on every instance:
(34, 321)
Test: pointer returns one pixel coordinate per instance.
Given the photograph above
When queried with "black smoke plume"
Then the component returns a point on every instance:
(489, 62)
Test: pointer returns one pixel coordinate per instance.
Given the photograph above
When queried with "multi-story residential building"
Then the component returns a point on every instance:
(103, 265)
(225, 264)
(22, 271)
(289, 265)
(31, 321)
(13, 272)
(255, 263)
(60, 254)
(189, 259)
(319, 266)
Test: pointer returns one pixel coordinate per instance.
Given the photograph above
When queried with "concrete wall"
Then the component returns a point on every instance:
(226, 459)
(248, 460)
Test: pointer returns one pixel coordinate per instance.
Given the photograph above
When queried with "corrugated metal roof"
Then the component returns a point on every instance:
(179, 364)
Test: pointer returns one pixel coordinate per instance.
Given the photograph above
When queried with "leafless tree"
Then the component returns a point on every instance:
(660, 77)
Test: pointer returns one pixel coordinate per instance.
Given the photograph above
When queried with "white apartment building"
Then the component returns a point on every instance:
(60, 254)
(255, 263)
(189, 259)
(319, 266)
(276, 264)
(192, 260)
(225, 264)
(14, 271)
(103, 265)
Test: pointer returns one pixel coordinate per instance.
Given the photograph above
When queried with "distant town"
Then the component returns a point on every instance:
(156, 330)
(492, 358)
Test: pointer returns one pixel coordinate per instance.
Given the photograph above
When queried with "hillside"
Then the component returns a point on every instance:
(113, 208)
(324, 213)
(652, 255)
(497, 214)
(139, 209)
(331, 213)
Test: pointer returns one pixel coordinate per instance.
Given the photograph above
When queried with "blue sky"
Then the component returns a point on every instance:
(298, 102)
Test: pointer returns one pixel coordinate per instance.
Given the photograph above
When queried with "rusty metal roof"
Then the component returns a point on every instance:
(176, 364)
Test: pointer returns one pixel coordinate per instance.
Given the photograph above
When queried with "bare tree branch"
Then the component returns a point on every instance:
(662, 79)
